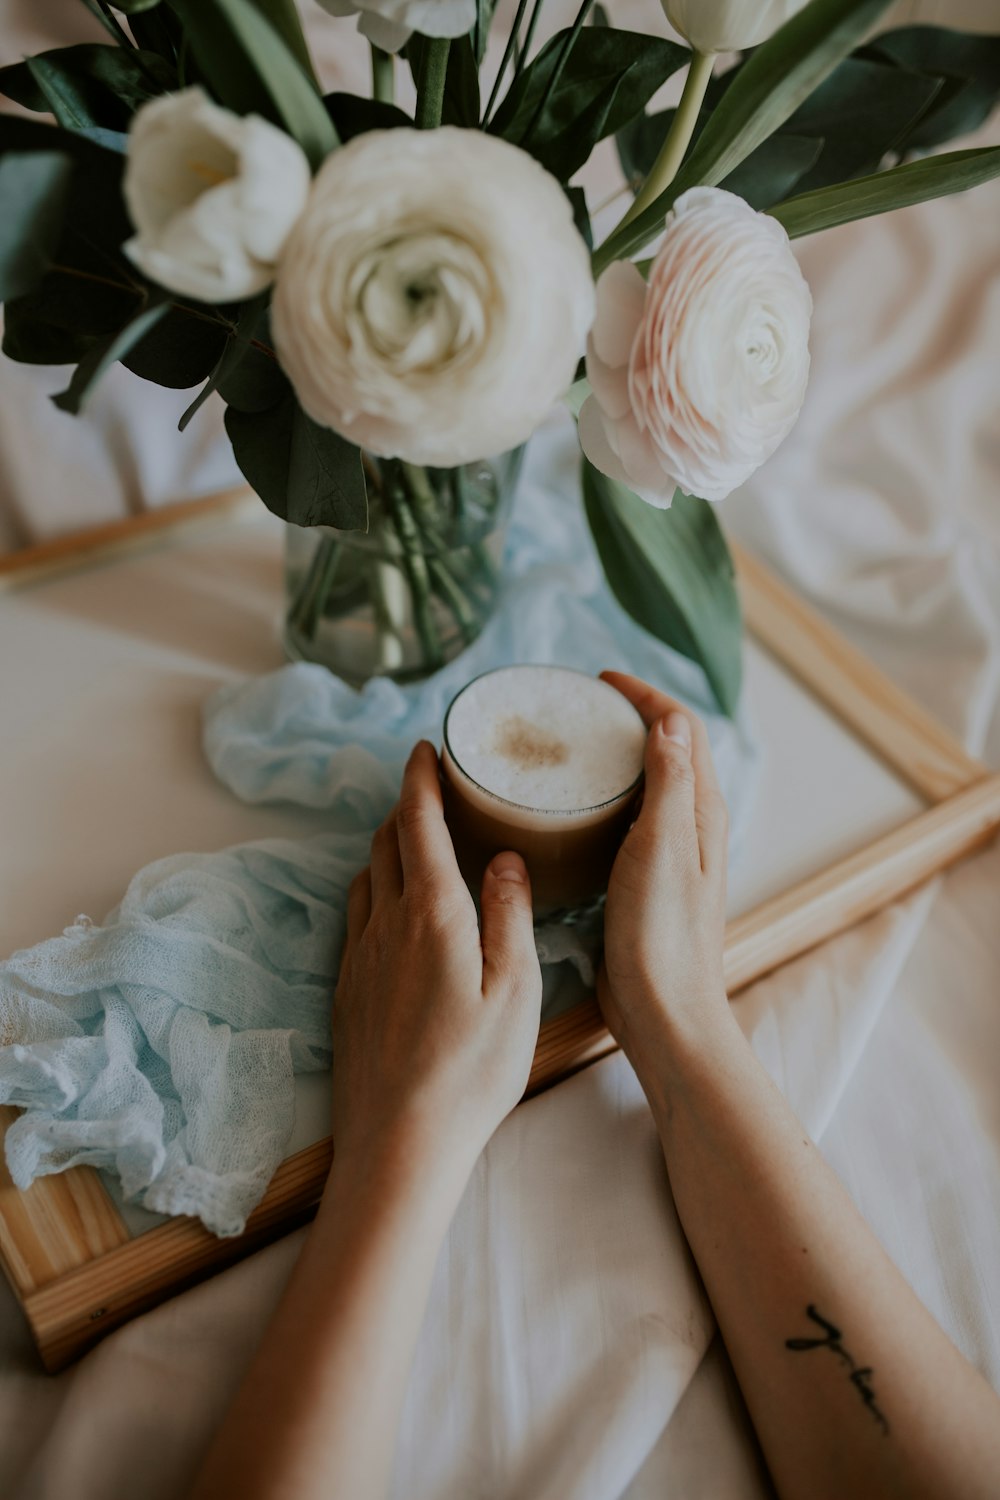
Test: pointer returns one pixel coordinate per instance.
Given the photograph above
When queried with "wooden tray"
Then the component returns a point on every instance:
(76, 1268)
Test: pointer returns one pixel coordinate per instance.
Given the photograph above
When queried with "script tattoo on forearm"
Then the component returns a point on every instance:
(860, 1377)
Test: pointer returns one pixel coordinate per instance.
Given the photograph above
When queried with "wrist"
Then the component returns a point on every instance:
(400, 1163)
(679, 1042)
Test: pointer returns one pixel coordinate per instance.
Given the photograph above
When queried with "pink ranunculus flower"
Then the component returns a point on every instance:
(698, 375)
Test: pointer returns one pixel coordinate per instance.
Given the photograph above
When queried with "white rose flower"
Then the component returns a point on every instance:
(433, 299)
(699, 375)
(728, 25)
(212, 195)
(390, 23)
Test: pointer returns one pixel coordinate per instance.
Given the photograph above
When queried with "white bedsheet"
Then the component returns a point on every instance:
(564, 1352)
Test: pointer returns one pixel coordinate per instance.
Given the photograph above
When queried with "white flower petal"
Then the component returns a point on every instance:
(715, 371)
(213, 196)
(433, 299)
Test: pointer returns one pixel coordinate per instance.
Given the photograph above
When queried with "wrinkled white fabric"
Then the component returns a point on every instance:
(883, 506)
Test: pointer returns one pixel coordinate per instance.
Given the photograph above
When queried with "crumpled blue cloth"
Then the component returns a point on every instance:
(162, 1045)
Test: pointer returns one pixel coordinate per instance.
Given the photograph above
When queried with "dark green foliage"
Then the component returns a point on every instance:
(672, 572)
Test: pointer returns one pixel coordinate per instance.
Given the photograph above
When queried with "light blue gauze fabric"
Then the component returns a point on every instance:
(162, 1045)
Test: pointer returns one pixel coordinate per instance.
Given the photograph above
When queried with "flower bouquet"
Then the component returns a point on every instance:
(389, 301)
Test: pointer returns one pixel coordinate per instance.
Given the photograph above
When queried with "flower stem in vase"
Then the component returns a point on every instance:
(387, 591)
(418, 577)
(307, 609)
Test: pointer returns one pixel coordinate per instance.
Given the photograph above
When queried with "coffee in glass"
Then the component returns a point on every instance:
(546, 761)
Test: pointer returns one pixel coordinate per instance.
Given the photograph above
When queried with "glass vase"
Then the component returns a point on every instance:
(406, 596)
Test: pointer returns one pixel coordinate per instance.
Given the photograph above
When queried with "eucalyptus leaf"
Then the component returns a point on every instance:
(236, 349)
(34, 192)
(255, 384)
(251, 70)
(775, 80)
(608, 79)
(916, 182)
(180, 350)
(353, 115)
(304, 473)
(103, 356)
(672, 572)
(90, 289)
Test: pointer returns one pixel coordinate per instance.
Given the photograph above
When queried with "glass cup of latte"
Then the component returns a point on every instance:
(546, 761)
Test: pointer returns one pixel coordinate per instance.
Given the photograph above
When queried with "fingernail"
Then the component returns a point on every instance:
(508, 866)
(675, 727)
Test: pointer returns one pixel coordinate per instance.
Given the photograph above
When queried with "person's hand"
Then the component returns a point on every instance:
(434, 1023)
(664, 924)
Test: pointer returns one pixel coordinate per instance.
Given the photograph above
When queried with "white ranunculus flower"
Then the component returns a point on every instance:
(390, 23)
(728, 25)
(212, 195)
(433, 299)
(699, 375)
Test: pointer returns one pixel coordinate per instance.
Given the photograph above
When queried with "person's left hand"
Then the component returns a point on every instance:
(434, 1023)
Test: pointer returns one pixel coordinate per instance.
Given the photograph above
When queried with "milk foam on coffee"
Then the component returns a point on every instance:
(547, 739)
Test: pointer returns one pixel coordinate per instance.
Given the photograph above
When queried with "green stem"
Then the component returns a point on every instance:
(430, 92)
(557, 71)
(383, 75)
(415, 565)
(449, 591)
(529, 36)
(522, 6)
(304, 615)
(666, 165)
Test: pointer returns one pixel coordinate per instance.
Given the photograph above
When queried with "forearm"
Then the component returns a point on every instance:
(318, 1412)
(852, 1386)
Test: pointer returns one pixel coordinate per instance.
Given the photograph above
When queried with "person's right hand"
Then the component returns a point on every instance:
(664, 923)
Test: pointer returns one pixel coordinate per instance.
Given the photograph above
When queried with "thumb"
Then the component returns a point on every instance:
(508, 935)
(668, 800)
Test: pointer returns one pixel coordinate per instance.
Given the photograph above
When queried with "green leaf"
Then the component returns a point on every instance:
(916, 182)
(481, 29)
(862, 111)
(103, 356)
(255, 384)
(969, 65)
(770, 86)
(90, 289)
(608, 79)
(581, 216)
(88, 85)
(353, 115)
(250, 69)
(672, 572)
(34, 191)
(306, 474)
(180, 350)
(770, 172)
(461, 85)
(133, 7)
(236, 349)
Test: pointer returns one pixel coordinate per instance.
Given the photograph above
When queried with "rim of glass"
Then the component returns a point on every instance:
(545, 812)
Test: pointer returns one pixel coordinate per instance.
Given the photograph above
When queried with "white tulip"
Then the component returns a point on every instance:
(699, 375)
(213, 196)
(728, 25)
(434, 297)
(390, 23)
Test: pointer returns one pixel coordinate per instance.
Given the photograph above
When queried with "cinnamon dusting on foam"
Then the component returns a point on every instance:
(529, 747)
